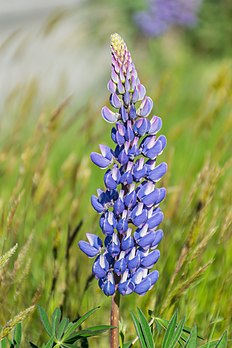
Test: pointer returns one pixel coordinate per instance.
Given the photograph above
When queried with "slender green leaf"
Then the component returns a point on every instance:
(211, 344)
(17, 335)
(139, 331)
(89, 332)
(62, 327)
(45, 321)
(192, 341)
(56, 316)
(170, 331)
(222, 343)
(127, 344)
(3, 343)
(33, 345)
(79, 322)
(66, 345)
(177, 334)
(146, 329)
(49, 344)
(163, 323)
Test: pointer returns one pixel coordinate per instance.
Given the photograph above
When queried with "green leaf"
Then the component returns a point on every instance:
(127, 344)
(62, 327)
(89, 332)
(45, 321)
(49, 344)
(211, 344)
(146, 329)
(177, 334)
(139, 331)
(17, 335)
(79, 322)
(192, 341)
(222, 343)
(56, 316)
(170, 331)
(3, 343)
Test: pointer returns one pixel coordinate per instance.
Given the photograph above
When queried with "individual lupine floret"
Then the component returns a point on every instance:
(129, 204)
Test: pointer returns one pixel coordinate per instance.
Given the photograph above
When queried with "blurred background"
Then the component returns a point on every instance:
(54, 67)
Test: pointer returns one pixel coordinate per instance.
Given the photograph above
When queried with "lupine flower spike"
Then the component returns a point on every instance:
(163, 14)
(129, 203)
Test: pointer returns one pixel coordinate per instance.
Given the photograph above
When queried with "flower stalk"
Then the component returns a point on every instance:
(114, 320)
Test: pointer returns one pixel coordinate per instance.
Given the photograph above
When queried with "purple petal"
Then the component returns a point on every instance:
(141, 219)
(150, 199)
(127, 243)
(123, 114)
(145, 107)
(155, 220)
(106, 151)
(109, 115)
(109, 287)
(163, 140)
(149, 260)
(89, 250)
(120, 266)
(96, 205)
(121, 88)
(153, 276)
(99, 160)
(158, 237)
(126, 98)
(111, 86)
(143, 286)
(100, 266)
(146, 241)
(135, 95)
(156, 125)
(142, 91)
(115, 101)
(157, 173)
(94, 240)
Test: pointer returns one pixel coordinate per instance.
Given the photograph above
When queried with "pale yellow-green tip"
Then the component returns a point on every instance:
(118, 44)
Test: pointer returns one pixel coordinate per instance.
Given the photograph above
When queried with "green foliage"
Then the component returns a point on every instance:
(15, 341)
(176, 334)
(63, 333)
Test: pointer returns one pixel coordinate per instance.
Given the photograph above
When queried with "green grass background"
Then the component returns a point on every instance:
(47, 179)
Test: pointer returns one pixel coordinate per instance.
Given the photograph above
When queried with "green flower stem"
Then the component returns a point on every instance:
(114, 320)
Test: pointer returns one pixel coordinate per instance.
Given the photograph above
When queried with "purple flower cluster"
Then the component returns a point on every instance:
(129, 204)
(162, 14)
